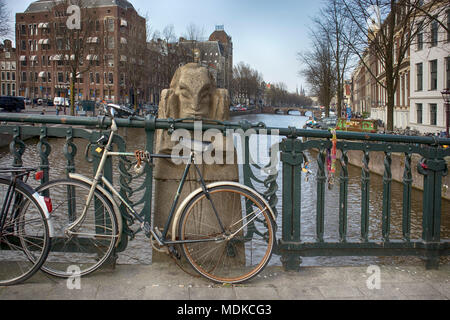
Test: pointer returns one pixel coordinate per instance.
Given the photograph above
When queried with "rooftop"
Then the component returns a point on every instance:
(46, 5)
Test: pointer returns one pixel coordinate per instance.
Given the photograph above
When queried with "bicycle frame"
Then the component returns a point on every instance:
(162, 240)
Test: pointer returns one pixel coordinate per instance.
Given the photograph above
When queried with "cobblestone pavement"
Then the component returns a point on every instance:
(165, 281)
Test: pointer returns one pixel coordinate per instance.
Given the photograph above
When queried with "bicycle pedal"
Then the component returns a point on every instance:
(173, 251)
(158, 232)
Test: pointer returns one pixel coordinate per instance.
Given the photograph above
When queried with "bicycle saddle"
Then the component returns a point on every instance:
(196, 145)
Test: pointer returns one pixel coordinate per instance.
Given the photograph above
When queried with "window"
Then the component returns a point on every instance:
(23, 29)
(110, 42)
(97, 78)
(23, 45)
(91, 77)
(111, 78)
(433, 75)
(447, 73)
(433, 114)
(448, 25)
(420, 36)
(60, 77)
(419, 113)
(24, 77)
(419, 77)
(110, 24)
(434, 33)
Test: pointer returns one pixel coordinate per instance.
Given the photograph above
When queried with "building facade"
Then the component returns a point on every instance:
(216, 54)
(8, 62)
(430, 66)
(112, 52)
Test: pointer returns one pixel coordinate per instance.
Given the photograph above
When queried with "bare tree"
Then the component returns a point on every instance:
(72, 39)
(387, 28)
(194, 34)
(133, 56)
(5, 29)
(246, 82)
(336, 27)
(319, 70)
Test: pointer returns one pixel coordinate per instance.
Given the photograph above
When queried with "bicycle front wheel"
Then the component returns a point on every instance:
(232, 234)
(24, 234)
(89, 244)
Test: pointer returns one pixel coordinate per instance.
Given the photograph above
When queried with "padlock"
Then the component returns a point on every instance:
(138, 169)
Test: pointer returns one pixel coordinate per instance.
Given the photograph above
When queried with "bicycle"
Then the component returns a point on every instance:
(25, 234)
(225, 248)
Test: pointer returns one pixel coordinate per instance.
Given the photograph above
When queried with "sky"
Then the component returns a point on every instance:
(267, 35)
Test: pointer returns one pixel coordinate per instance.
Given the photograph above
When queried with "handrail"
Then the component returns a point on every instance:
(104, 122)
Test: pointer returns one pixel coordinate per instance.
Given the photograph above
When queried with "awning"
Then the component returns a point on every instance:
(33, 58)
(92, 57)
(92, 40)
(43, 25)
(123, 41)
(44, 41)
(42, 74)
(57, 57)
(123, 58)
(23, 58)
(123, 23)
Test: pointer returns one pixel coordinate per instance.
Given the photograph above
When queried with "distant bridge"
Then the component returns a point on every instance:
(291, 110)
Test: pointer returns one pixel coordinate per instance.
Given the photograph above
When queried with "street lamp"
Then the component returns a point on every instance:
(446, 96)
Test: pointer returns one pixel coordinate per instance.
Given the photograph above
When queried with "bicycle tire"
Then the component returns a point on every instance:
(98, 231)
(229, 261)
(24, 237)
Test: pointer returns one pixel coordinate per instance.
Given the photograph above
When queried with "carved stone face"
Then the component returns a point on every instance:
(194, 90)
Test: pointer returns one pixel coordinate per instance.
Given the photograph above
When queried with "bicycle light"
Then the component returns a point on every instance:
(39, 175)
(49, 204)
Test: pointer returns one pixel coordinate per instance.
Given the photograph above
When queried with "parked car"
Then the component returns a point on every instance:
(59, 101)
(150, 109)
(327, 123)
(122, 111)
(12, 104)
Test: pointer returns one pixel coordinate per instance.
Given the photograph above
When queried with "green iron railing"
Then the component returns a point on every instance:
(295, 144)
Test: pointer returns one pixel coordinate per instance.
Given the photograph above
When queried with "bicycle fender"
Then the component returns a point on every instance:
(108, 196)
(209, 186)
(43, 206)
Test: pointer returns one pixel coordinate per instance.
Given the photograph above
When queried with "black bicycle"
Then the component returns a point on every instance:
(25, 232)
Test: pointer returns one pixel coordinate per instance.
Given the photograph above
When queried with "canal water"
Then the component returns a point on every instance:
(139, 250)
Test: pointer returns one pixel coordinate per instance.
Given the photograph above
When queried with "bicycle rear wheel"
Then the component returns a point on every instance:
(244, 218)
(24, 234)
(92, 242)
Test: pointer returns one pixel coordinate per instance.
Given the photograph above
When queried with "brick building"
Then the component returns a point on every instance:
(216, 54)
(111, 53)
(8, 62)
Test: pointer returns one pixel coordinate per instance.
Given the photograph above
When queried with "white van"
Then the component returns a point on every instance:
(59, 101)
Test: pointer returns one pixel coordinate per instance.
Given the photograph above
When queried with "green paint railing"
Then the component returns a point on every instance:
(295, 144)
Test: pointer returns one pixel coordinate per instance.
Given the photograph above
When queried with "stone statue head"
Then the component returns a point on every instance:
(193, 94)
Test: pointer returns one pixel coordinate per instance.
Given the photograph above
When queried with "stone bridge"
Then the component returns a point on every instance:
(290, 110)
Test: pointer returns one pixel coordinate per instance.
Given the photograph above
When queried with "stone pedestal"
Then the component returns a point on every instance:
(192, 94)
